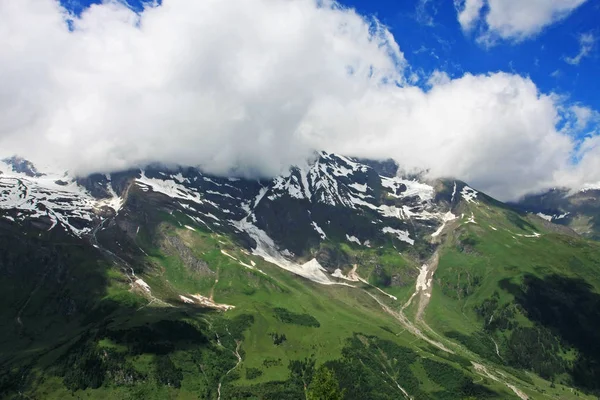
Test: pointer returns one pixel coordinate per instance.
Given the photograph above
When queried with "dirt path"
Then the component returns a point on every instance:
(409, 325)
(238, 344)
(483, 371)
(423, 292)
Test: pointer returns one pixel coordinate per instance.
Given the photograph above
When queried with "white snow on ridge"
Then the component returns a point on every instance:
(286, 184)
(544, 216)
(590, 186)
(469, 194)
(53, 195)
(180, 179)
(115, 202)
(393, 212)
(354, 165)
(304, 177)
(400, 234)
(359, 187)
(170, 188)
(413, 188)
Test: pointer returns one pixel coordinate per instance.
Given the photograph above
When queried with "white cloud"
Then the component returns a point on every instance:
(255, 86)
(584, 115)
(469, 12)
(514, 20)
(586, 45)
(438, 78)
(218, 83)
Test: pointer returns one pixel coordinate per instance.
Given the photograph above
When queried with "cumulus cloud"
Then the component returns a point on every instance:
(514, 20)
(252, 87)
(587, 42)
(469, 12)
(226, 85)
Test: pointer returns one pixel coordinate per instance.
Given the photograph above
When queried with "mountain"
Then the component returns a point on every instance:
(342, 275)
(579, 210)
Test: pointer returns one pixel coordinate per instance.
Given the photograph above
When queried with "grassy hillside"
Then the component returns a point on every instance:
(118, 338)
(121, 315)
(520, 294)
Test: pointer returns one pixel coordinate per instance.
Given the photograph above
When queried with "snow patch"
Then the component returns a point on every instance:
(267, 249)
(413, 188)
(143, 285)
(170, 188)
(186, 300)
(400, 234)
(544, 216)
(359, 187)
(469, 194)
(319, 230)
(353, 239)
(53, 195)
(446, 218)
(241, 262)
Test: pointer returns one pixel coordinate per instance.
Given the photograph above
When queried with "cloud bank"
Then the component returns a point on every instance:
(514, 20)
(251, 87)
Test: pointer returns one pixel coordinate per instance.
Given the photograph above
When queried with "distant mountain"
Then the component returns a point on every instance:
(579, 210)
(159, 283)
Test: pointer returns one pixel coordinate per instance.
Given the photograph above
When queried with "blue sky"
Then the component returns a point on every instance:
(445, 47)
(431, 38)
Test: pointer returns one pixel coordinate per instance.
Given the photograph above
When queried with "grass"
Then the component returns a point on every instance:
(497, 252)
(474, 259)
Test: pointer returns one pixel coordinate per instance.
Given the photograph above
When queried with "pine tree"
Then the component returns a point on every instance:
(324, 386)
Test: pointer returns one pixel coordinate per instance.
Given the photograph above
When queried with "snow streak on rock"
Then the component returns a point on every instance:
(267, 249)
(469, 194)
(53, 196)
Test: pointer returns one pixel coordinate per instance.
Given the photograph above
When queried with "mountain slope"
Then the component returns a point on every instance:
(578, 210)
(157, 283)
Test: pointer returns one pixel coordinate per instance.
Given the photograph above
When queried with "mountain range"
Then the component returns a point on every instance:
(344, 276)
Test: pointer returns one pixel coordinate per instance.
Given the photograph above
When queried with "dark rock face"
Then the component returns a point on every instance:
(332, 258)
(22, 166)
(387, 168)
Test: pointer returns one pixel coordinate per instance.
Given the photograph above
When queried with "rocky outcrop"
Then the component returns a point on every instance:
(172, 244)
